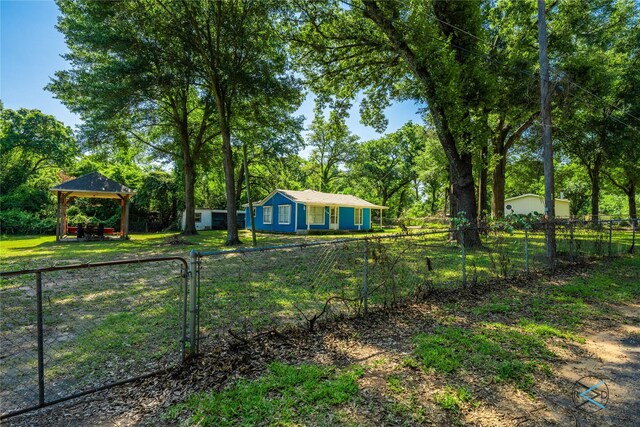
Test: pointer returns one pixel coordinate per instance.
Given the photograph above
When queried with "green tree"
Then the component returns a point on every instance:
(243, 63)
(407, 50)
(602, 56)
(387, 164)
(31, 141)
(332, 145)
(132, 80)
(431, 167)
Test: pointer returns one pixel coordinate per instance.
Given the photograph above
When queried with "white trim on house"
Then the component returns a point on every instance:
(262, 202)
(355, 216)
(281, 209)
(334, 225)
(295, 218)
(309, 209)
(266, 209)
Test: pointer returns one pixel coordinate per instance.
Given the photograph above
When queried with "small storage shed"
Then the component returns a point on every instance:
(288, 211)
(530, 203)
(212, 219)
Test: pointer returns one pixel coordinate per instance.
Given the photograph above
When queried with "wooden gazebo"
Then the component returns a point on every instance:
(93, 185)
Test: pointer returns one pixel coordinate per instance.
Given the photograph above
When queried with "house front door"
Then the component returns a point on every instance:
(333, 218)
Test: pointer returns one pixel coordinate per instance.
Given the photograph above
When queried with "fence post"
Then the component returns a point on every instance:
(610, 233)
(526, 249)
(40, 328)
(184, 270)
(365, 288)
(193, 300)
(464, 257)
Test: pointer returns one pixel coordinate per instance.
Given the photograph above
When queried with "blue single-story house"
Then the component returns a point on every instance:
(288, 211)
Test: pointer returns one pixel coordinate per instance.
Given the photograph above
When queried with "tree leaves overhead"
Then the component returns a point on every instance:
(31, 141)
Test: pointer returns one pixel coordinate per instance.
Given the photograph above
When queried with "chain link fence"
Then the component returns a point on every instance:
(255, 290)
(70, 330)
(67, 331)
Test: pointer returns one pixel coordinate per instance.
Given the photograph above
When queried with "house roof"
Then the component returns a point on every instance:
(522, 196)
(312, 197)
(93, 185)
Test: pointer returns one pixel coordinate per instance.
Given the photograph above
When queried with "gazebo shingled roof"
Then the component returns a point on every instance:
(93, 185)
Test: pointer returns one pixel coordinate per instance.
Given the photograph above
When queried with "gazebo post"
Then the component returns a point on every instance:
(64, 216)
(126, 217)
(58, 209)
(122, 203)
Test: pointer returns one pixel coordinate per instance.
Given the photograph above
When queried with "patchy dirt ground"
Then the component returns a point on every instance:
(393, 392)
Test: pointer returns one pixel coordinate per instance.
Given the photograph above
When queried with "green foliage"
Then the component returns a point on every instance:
(460, 220)
(385, 167)
(17, 221)
(490, 348)
(30, 142)
(332, 145)
(453, 398)
(286, 395)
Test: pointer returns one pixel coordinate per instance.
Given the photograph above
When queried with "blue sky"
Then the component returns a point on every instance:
(31, 50)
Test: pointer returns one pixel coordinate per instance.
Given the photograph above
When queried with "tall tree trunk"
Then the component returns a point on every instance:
(464, 194)
(595, 187)
(483, 201)
(460, 164)
(239, 185)
(498, 178)
(434, 192)
(189, 196)
(401, 202)
(502, 142)
(230, 184)
(453, 203)
(445, 205)
(631, 195)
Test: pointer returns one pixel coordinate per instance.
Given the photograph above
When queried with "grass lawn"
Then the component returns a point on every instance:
(103, 323)
(482, 359)
(19, 251)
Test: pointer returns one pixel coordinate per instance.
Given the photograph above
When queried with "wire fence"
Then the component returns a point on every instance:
(70, 330)
(249, 291)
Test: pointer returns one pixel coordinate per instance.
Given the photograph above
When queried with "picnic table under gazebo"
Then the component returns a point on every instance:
(93, 185)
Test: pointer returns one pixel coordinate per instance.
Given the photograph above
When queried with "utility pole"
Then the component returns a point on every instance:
(545, 115)
(246, 177)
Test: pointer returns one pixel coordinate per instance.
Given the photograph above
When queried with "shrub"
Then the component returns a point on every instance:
(15, 221)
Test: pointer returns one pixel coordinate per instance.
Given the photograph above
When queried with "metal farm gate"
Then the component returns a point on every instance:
(66, 331)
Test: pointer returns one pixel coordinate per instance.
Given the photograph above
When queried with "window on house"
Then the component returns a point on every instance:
(316, 215)
(267, 214)
(254, 212)
(198, 216)
(358, 216)
(284, 214)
